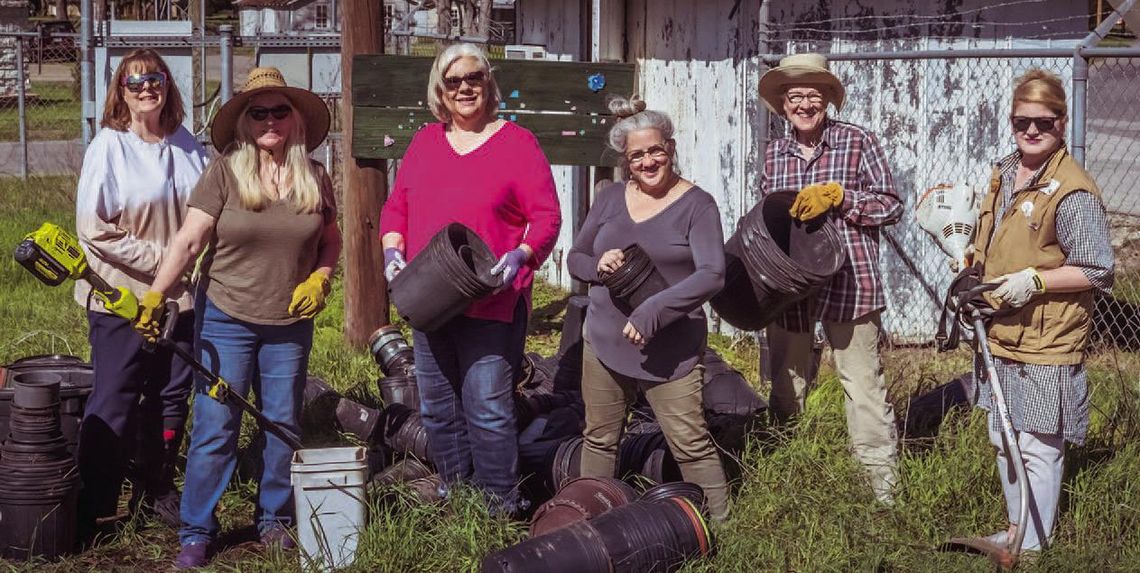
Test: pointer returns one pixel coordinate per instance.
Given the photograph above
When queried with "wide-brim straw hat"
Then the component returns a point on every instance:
(803, 70)
(314, 112)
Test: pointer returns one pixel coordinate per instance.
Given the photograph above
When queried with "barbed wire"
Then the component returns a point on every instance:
(788, 30)
(942, 17)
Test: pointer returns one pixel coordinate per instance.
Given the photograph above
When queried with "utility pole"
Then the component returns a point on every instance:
(365, 186)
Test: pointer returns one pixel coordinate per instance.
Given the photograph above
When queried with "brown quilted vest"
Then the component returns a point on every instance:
(1053, 328)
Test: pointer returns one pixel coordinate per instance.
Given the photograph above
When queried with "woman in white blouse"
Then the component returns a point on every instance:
(137, 175)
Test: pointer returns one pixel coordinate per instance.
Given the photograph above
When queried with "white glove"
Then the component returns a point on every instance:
(1017, 288)
(393, 263)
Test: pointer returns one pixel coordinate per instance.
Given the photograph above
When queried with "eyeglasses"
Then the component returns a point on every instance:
(259, 113)
(136, 83)
(473, 79)
(1022, 123)
(657, 153)
(796, 98)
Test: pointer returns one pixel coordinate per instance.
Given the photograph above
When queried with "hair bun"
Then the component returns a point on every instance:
(623, 108)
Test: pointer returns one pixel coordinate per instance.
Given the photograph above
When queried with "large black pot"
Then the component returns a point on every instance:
(788, 260)
(634, 281)
(444, 279)
(736, 302)
(636, 537)
(390, 350)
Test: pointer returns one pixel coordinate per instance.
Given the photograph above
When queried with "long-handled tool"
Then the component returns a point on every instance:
(220, 389)
(978, 310)
(53, 255)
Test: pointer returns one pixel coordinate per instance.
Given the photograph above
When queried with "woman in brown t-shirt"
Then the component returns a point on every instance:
(267, 213)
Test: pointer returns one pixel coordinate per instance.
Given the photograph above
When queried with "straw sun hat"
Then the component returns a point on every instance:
(314, 112)
(800, 69)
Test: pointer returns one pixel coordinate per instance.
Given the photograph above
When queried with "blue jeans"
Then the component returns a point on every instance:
(465, 373)
(235, 350)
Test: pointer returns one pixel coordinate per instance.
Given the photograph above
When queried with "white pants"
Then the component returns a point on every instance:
(1044, 456)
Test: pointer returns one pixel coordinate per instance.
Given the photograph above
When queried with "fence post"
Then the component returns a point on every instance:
(87, 69)
(1080, 105)
(21, 96)
(227, 55)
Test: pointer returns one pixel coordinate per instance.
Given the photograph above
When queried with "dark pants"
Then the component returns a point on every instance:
(138, 403)
(465, 373)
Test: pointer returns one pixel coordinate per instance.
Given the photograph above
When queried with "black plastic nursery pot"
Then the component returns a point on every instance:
(391, 351)
(77, 378)
(647, 453)
(404, 432)
(636, 537)
(42, 526)
(443, 280)
(567, 463)
(683, 489)
(580, 499)
(400, 390)
(634, 281)
(736, 303)
(787, 260)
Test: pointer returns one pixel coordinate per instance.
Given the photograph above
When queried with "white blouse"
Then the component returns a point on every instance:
(130, 203)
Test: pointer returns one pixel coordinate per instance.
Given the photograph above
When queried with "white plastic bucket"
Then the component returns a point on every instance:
(328, 490)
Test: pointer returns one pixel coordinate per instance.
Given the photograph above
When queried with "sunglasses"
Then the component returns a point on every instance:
(259, 113)
(136, 83)
(473, 79)
(1021, 123)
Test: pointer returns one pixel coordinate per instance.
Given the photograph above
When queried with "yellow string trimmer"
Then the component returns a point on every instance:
(53, 255)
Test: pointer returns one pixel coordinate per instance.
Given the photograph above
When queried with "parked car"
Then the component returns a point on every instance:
(57, 40)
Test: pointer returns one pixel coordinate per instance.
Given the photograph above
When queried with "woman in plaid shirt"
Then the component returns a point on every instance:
(839, 171)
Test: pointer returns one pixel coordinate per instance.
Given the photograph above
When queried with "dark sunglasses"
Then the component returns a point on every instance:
(259, 113)
(136, 83)
(472, 79)
(1021, 123)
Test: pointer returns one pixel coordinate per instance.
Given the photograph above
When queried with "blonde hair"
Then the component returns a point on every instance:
(1041, 87)
(245, 162)
(435, 89)
(116, 114)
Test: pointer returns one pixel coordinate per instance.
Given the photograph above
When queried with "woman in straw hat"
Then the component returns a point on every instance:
(490, 175)
(267, 214)
(838, 171)
(137, 175)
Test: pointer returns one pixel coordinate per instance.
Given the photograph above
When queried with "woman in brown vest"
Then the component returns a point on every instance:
(1042, 234)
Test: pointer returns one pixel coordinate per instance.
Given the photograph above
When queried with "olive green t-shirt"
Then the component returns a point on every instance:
(257, 258)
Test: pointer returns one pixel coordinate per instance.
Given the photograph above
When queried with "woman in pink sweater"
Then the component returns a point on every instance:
(490, 175)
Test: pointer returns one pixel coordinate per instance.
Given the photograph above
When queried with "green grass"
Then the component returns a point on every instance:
(799, 502)
(53, 112)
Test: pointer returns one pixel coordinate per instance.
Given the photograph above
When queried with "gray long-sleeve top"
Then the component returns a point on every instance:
(686, 244)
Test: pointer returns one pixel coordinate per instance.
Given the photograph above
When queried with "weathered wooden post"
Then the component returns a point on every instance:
(365, 186)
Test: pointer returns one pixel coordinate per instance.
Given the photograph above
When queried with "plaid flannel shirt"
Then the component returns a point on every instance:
(850, 156)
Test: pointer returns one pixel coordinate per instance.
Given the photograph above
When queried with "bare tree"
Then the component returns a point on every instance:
(482, 12)
(443, 17)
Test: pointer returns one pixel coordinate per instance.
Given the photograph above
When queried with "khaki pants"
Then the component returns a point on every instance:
(678, 408)
(870, 418)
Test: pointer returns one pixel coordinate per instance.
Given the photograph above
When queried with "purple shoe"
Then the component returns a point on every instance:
(192, 556)
(278, 537)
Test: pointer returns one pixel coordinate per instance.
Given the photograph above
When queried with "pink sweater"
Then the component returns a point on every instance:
(502, 190)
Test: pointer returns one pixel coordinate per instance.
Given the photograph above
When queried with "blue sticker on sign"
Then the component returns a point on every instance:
(514, 94)
(502, 105)
(596, 82)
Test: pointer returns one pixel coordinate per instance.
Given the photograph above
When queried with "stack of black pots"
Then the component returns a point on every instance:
(38, 477)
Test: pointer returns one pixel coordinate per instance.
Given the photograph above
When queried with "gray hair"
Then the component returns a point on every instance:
(443, 61)
(632, 116)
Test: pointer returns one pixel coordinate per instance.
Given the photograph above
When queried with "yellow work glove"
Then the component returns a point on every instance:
(309, 296)
(816, 199)
(149, 321)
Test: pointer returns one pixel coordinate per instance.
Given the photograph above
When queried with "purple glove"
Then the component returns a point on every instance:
(509, 265)
(393, 263)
